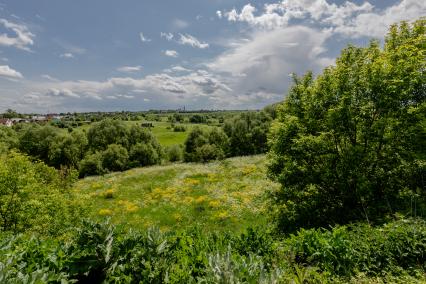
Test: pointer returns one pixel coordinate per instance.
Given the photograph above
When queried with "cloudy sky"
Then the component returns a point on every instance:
(90, 55)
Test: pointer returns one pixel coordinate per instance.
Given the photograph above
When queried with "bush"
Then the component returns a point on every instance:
(247, 133)
(91, 165)
(205, 145)
(144, 155)
(100, 253)
(106, 132)
(175, 153)
(33, 196)
(115, 158)
(179, 128)
(209, 152)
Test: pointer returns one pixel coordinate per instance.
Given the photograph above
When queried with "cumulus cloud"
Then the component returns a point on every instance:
(61, 93)
(261, 64)
(9, 73)
(23, 38)
(171, 53)
(177, 69)
(168, 90)
(349, 18)
(143, 38)
(219, 14)
(186, 39)
(129, 69)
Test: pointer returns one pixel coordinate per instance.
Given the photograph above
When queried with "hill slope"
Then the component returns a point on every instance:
(225, 195)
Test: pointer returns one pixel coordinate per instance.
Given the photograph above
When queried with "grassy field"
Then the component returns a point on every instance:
(167, 137)
(225, 195)
(162, 131)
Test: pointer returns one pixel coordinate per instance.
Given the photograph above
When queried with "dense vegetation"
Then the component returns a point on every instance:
(346, 158)
(350, 144)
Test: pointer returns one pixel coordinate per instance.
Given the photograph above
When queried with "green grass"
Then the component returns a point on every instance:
(225, 195)
(162, 131)
(167, 137)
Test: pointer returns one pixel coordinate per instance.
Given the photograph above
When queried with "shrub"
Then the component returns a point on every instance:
(33, 196)
(115, 158)
(205, 145)
(106, 132)
(91, 165)
(144, 155)
(175, 153)
(179, 128)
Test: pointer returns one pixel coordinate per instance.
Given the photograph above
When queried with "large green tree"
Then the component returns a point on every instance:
(350, 144)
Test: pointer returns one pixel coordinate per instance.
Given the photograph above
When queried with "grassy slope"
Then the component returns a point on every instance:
(226, 195)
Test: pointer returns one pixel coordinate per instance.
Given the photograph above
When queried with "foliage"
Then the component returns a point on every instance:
(91, 165)
(8, 139)
(68, 149)
(33, 196)
(144, 155)
(175, 153)
(345, 146)
(36, 140)
(101, 253)
(206, 145)
(115, 158)
(107, 132)
(248, 133)
(198, 118)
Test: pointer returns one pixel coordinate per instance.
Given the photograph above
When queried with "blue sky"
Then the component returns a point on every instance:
(102, 55)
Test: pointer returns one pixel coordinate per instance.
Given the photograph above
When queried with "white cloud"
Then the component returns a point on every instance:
(168, 36)
(67, 55)
(194, 87)
(177, 69)
(171, 53)
(219, 14)
(129, 69)
(187, 39)
(61, 93)
(143, 38)
(262, 64)
(9, 73)
(23, 37)
(348, 19)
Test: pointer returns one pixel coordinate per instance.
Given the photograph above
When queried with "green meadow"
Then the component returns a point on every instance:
(225, 195)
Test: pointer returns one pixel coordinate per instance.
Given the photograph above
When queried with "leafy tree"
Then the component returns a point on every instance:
(10, 113)
(196, 138)
(91, 165)
(36, 140)
(205, 145)
(346, 145)
(115, 158)
(248, 133)
(68, 149)
(198, 118)
(107, 132)
(144, 155)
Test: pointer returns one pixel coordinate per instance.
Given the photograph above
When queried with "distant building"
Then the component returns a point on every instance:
(6, 122)
(39, 118)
